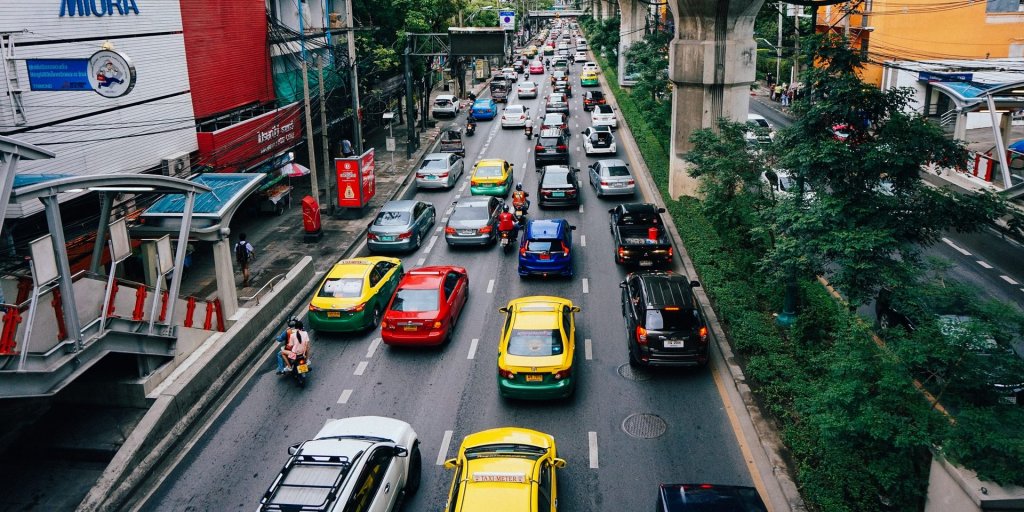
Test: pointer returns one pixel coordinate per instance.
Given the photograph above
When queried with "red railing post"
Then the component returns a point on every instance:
(140, 303)
(209, 315)
(58, 310)
(220, 315)
(113, 295)
(11, 320)
(189, 311)
(163, 305)
(24, 289)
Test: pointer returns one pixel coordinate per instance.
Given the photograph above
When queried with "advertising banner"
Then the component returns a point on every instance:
(250, 142)
(357, 182)
(58, 74)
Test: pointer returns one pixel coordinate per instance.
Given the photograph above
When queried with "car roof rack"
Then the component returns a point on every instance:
(308, 483)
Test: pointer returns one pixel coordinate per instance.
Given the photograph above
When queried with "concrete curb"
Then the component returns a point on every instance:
(760, 441)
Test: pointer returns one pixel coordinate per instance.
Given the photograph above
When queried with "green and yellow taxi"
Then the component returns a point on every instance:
(537, 348)
(531, 51)
(354, 294)
(491, 177)
(505, 469)
(588, 79)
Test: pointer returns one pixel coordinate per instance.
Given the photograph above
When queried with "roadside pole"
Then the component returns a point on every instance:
(309, 133)
(324, 139)
(357, 128)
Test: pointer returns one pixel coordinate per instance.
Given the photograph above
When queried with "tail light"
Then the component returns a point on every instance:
(631, 182)
(565, 250)
(641, 335)
(563, 374)
(505, 374)
(449, 231)
(356, 308)
(437, 324)
(622, 252)
(473, 183)
(605, 183)
(570, 192)
(523, 248)
(385, 325)
(545, 193)
(442, 175)
(486, 229)
(703, 334)
(538, 148)
(670, 252)
(421, 175)
(371, 236)
(405, 236)
(562, 147)
(314, 308)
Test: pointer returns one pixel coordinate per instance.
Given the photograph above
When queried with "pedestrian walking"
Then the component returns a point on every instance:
(777, 92)
(787, 94)
(244, 255)
(346, 148)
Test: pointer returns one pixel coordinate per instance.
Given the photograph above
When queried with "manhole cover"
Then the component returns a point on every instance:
(631, 373)
(644, 426)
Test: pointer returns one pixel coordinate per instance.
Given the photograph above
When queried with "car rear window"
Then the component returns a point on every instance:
(392, 219)
(414, 301)
(341, 288)
(470, 213)
(442, 103)
(596, 95)
(535, 342)
(604, 109)
(617, 171)
(555, 179)
(672, 319)
(432, 164)
(488, 171)
(548, 142)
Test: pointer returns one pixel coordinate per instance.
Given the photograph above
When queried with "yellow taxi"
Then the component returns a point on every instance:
(354, 294)
(537, 348)
(588, 79)
(531, 51)
(491, 177)
(505, 469)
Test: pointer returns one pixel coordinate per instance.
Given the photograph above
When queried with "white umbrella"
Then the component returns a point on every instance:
(294, 170)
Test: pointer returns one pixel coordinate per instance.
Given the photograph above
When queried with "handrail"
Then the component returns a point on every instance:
(270, 283)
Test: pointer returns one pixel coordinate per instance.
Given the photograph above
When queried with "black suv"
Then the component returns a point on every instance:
(592, 98)
(552, 148)
(664, 325)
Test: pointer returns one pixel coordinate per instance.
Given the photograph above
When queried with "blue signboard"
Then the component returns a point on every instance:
(58, 74)
(931, 76)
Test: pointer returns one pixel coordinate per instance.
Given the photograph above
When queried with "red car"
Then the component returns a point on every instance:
(536, 68)
(425, 307)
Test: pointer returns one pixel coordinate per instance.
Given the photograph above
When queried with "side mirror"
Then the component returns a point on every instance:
(401, 451)
(293, 449)
(661, 210)
(611, 210)
(572, 228)
(622, 284)
(455, 202)
(450, 464)
(558, 463)
(694, 284)
(575, 309)
(503, 310)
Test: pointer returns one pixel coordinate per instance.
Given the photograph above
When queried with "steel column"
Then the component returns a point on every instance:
(179, 258)
(67, 292)
(106, 201)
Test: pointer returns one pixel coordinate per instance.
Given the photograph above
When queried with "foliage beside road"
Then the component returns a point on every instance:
(859, 434)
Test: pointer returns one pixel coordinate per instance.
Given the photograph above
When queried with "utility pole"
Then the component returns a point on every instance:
(778, 53)
(796, 44)
(410, 105)
(357, 128)
(309, 116)
(323, 137)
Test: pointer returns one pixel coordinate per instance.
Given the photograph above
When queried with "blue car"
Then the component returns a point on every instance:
(546, 248)
(484, 109)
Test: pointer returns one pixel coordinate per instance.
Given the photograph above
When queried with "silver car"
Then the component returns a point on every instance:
(514, 116)
(440, 170)
(612, 178)
(474, 221)
(400, 226)
(527, 90)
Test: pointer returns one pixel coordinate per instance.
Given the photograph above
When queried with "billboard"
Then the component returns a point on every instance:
(356, 180)
(58, 74)
(471, 41)
(250, 142)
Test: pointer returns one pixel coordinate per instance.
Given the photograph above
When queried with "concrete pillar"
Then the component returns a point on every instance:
(711, 64)
(960, 128)
(633, 14)
(609, 8)
(149, 268)
(223, 262)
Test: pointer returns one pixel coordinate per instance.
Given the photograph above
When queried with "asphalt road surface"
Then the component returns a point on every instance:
(450, 392)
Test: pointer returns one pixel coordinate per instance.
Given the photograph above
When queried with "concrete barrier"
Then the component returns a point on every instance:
(193, 388)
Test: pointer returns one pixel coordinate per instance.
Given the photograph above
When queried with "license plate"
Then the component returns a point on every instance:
(303, 368)
(675, 343)
(409, 328)
(467, 232)
(618, 185)
(334, 314)
(431, 177)
(558, 194)
(386, 238)
(535, 378)
(646, 263)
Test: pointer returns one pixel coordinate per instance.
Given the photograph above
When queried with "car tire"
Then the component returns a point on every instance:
(884, 321)
(374, 318)
(633, 361)
(412, 483)
(419, 241)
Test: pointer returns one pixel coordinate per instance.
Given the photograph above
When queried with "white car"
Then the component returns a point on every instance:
(603, 115)
(445, 105)
(598, 140)
(580, 56)
(510, 74)
(526, 89)
(370, 460)
(591, 66)
(780, 184)
(760, 132)
(514, 116)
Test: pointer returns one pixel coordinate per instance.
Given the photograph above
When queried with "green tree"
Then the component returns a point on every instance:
(649, 59)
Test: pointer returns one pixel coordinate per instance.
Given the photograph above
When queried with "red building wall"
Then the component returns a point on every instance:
(227, 55)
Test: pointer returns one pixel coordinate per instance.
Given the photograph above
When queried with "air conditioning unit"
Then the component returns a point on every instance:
(337, 20)
(175, 165)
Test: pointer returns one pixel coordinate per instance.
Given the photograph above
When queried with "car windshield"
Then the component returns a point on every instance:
(415, 301)
(559, 178)
(488, 171)
(434, 164)
(505, 450)
(514, 109)
(672, 319)
(392, 219)
(482, 104)
(603, 109)
(475, 212)
(535, 342)
(341, 288)
(616, 171)
(596, 95)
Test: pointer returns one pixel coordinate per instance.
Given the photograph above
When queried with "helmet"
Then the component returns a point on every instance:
(504, 208)
(519, 186)
(295, 323)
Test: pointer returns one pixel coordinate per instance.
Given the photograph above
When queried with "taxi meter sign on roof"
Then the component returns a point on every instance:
(513, 478)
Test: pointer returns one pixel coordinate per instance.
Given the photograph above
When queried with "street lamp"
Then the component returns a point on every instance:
(778, 54)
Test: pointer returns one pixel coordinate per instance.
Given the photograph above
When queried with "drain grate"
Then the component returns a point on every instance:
(631, 373)
(644, 426)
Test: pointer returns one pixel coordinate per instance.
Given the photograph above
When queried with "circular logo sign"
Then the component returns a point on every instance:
(111, 73)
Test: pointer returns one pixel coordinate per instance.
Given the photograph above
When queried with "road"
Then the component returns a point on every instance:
(985, 260)
(451, 392)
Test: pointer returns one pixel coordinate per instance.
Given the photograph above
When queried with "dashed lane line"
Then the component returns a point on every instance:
(581, 208)
(443, 452)
(490, 286)
(458, 196)
(588, 349)
(592, 438)
(472, 348)
(439, 228)
(345, 395)
(373, 347)
(983, 264)
(420, 262)
(586, 285)
(463, 187)
(1009, 279)
(430, 245)
(583, 240)
(361, 367)
(956, 247)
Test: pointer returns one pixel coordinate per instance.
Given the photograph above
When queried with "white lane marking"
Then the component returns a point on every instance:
(420, 262)
(443, 219)
(581, 208)
(983, 264)
(430, 245)
(463, 187)
(592, 436)
(361, 367)
(373, 347)
(959, 249)
(345, 396)
(443, 452)
(588, 349)
(1009, 279)
(472, 348)
(583, 240)
(586, 285)
(457, 196)
(490, 286)
(439, 228)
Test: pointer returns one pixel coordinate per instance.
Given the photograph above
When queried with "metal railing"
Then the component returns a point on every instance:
(948, 117)
(270, 283)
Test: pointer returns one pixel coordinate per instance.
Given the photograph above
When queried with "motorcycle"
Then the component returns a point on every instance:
(470, 128)
(529, 132)
(299, 370)
(507, 238)
(519, 213)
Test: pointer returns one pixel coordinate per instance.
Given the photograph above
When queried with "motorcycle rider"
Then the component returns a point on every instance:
(282, 339)
(529, 127)
(519, 198)
(507, 222)
(297, 345)
(470, 124)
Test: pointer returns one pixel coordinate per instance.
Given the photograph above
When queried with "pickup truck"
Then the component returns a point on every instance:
(639, 236)
(499, 90)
